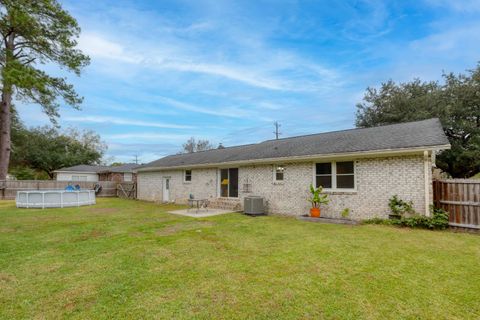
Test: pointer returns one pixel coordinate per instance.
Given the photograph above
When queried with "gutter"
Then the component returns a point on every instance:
(91, 172)
(383, 152)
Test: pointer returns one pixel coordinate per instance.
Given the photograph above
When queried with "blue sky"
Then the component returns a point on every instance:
(163, 71)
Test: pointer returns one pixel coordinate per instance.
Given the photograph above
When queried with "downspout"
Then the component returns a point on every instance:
(426, 168)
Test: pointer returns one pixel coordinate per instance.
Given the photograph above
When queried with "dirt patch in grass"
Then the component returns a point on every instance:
(5, 277)
(93, 234)
(103, 210)
(8, 230)
(183, 226)
(76, 297)
(137, 234)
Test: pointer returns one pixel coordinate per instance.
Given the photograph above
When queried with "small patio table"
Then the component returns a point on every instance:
(199, 203)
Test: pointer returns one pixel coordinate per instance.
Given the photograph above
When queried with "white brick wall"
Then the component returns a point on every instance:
(377, 179)
(203, 185)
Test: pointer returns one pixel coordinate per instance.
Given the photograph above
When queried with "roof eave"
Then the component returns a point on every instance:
(383, 152)
(73, 171)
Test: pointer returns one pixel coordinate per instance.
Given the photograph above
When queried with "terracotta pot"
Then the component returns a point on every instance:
(315, 212)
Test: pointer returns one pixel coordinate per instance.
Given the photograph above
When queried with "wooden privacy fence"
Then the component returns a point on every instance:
(127, 190)
(461, 198)
(8, 189)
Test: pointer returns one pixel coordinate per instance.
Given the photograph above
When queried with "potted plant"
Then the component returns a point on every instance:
(316, 199)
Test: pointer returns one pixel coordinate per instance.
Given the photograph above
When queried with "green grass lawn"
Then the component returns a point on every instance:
(130, 259)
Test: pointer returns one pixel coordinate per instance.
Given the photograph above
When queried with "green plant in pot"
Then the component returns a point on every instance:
(317, 199)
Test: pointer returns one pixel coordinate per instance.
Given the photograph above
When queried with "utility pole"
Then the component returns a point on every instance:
(136, 159)
(277, 132)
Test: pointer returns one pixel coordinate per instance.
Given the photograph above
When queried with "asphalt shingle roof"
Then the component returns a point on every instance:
(426, 133)
(83, 168)
(128, 167)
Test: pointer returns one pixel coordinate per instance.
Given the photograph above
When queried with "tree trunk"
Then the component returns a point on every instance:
(5, 127)
(5, 111)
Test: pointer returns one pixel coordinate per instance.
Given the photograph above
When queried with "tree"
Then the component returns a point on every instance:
(47, 149)
(192, 145)
(116, 164)
(456, 102)
(35, 33)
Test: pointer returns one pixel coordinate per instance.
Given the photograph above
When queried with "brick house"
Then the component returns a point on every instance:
(123, 173)
(360, 169)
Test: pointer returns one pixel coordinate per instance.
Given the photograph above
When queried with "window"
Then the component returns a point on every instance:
(335, 175)
(127, 176)
(345, 175)
(79, 178)
(279, 172)
(323, 175)
(188, 175)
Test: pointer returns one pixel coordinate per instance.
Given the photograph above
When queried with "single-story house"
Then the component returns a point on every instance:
(360, 169)
(122, 173)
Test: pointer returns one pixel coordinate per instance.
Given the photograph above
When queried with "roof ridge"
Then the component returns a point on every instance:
(214, 149)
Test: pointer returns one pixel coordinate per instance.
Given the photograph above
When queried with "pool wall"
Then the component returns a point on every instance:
(54, 198)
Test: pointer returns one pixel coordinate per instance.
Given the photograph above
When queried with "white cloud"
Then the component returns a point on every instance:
(99, 47)
(231, 112)
(450, 41)
(274, 73)
(147, 136)
(457, 5)
(122, 121)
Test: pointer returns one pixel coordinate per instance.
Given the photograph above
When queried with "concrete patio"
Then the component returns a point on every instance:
(201, 212)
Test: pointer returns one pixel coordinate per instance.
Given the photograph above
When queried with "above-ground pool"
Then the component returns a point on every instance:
(54, 198)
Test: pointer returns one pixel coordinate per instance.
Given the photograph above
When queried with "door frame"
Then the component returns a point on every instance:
(166, 190)
(219, 182)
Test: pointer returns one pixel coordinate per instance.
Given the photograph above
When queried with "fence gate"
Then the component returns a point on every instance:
(127, 190)
(461, 198)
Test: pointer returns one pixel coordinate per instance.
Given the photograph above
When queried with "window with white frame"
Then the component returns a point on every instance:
(335, 175)
(188, 176)
(279, 172)
(127, 177)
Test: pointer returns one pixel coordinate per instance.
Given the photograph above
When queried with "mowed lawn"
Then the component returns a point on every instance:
(130, 259)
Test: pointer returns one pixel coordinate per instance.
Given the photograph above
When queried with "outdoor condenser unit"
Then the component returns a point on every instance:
(253, 205)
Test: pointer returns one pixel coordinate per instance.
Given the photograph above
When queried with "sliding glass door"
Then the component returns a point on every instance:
(229, 182)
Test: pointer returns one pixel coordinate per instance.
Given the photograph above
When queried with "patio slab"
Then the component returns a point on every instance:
(201, 213)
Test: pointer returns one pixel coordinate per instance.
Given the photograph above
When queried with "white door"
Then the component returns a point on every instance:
(166, 189)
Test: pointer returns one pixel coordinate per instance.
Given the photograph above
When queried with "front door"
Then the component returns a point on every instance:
(166, 189)
(229, 182)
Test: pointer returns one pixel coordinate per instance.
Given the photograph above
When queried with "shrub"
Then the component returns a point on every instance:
(437, 221)
(23, 173)
(399, 207)
(377, 221)
(439, 218)
(345, 213)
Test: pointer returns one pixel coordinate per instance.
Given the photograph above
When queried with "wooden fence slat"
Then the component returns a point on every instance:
(8, 189)
(461, 198)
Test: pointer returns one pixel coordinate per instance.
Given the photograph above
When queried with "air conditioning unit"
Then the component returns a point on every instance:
(253, 206)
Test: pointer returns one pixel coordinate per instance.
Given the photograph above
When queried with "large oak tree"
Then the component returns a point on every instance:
(35, 33)
(46, 149)
(456, 101)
